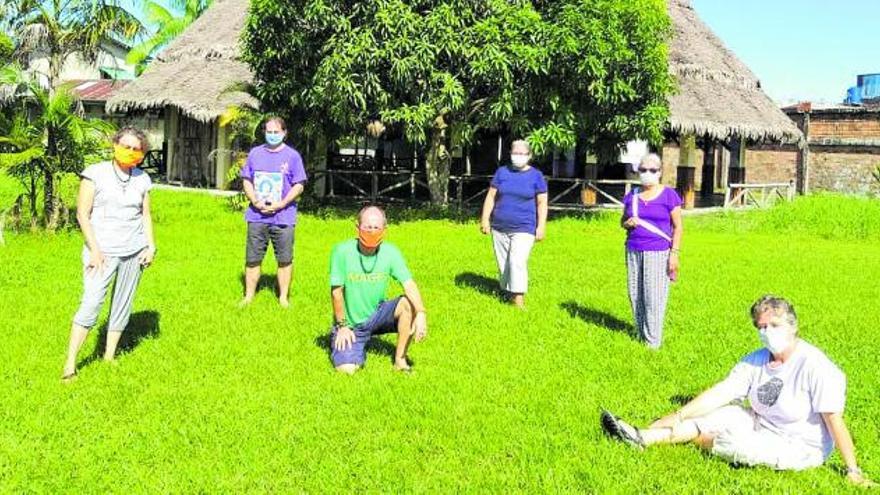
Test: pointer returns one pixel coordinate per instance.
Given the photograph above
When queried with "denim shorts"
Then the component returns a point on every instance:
(381, 321)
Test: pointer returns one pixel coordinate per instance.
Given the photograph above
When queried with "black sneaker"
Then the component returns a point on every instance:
(621, 430)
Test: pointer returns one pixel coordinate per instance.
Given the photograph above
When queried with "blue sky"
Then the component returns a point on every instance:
(800, 49)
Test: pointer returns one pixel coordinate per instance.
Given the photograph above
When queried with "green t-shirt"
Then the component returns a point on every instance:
(365, 278)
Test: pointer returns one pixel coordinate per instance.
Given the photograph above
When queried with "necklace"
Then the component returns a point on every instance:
(375, 260)
(123, 183)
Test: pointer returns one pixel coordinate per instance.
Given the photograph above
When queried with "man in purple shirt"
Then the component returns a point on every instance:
(273, 178)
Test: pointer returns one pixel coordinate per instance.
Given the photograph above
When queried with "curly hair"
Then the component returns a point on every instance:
(778, 306)
(132, 131)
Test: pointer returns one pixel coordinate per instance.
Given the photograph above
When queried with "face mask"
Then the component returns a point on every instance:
(371, 238)
(274, 139)
(649, 178)
(519, 161)
(125, 157)
(775, 339)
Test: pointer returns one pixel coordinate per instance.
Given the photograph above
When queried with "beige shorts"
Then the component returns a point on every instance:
(740, 439)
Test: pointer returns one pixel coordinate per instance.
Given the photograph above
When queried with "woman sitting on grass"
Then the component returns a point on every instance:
(794, 418)
(113, 210)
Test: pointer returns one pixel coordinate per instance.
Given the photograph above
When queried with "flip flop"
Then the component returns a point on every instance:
(68, 377)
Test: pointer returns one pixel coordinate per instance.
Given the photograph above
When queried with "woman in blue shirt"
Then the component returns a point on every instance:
(515, 212)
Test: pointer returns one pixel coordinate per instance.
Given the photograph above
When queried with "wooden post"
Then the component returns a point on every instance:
(736, 173)
(707, 186)
(686, 173)
(172, 123)
(223, 157)
(803, 162)
(588, 195)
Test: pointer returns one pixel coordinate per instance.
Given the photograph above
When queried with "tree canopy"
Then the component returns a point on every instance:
(553, 71)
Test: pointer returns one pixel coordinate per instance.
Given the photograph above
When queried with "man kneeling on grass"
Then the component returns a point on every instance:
(795, 414)
(360, 270)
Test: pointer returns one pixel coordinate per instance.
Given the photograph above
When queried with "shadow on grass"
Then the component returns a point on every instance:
(681, 399)
(142, 325)
(267, 282)
(480, 283)
(375, 345)
(599, 318)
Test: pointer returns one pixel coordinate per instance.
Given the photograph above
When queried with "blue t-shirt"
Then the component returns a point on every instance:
(516, 210)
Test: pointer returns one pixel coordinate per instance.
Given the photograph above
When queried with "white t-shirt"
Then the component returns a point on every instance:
(117, 211)
(790, 399)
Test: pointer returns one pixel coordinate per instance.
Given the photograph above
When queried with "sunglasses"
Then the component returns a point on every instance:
(652, 170)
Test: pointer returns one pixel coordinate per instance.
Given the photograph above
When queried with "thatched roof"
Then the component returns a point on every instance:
(197, 73)
(718, 96)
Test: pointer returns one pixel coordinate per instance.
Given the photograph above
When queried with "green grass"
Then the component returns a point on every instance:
(215, 399)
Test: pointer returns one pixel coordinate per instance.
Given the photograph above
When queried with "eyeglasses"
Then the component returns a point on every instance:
(652, 170)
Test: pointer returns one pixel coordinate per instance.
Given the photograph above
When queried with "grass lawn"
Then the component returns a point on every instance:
(209, 398)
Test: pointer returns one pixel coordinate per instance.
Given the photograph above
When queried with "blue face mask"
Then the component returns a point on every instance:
(274, 139)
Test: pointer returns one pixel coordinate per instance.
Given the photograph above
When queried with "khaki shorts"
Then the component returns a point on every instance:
(740, 439)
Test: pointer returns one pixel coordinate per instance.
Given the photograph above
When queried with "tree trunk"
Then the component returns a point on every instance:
(49, 175)
(438, 164)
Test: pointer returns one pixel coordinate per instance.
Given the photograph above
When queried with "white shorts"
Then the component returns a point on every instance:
(740, 439)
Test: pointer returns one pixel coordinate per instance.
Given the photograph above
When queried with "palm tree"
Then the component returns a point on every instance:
(45, 134)
(59, 29)
(168, 24)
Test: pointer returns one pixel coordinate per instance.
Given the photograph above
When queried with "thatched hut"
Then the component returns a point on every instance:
(719, 100)
(194, 81)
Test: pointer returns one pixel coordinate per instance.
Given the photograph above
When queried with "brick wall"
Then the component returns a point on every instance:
(845, 126)
(771, 165)
(846, 171)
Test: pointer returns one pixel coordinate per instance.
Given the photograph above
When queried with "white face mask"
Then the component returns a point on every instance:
(519, 161)
(776, 339)
(649, 178)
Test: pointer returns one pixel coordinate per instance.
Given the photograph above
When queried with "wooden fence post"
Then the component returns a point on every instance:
(686, 172)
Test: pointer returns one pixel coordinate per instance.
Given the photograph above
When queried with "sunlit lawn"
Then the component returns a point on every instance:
(209, 398)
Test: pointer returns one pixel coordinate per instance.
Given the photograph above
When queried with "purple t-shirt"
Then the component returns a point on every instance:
(657, 211)
(515, 207)
(273, 174)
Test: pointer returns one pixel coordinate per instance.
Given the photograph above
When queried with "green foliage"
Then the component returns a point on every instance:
(170, 19)
(553, 71)
(212, 399)
(43, 134)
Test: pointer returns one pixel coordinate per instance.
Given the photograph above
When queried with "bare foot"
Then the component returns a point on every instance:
(402, 365)
(244, 302)
(284, 303)
(68, 376)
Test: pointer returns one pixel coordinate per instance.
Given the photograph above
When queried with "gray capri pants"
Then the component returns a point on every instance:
(127, 270)
(648, 283)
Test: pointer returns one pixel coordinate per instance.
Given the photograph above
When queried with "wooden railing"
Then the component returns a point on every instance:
(761, 195)
(465, 191)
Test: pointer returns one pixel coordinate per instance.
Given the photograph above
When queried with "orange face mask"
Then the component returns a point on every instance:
(127, 158)
(371, 238)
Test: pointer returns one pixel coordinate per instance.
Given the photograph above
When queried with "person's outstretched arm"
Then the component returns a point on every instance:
(488, 206)
(716, 397)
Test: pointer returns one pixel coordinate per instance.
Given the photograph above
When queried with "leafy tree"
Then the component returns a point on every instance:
(58, 29)
(169, 25)
(554, 71)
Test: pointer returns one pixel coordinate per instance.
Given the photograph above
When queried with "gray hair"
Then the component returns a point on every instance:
(778, 306)
(649, 159)
(521, 142)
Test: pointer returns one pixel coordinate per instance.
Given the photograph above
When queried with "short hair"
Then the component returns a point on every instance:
(132, 131)
(778, 306)
(521, 142)
(278, 120)
(652, 158)
(370, 206)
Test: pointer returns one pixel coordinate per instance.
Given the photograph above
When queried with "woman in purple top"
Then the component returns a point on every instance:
(515, 212)
(652, 219)
(273, 178)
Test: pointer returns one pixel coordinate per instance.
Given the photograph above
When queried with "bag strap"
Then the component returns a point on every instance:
(650, 227)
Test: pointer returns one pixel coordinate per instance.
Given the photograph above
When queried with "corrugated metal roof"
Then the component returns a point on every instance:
(98, 90)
